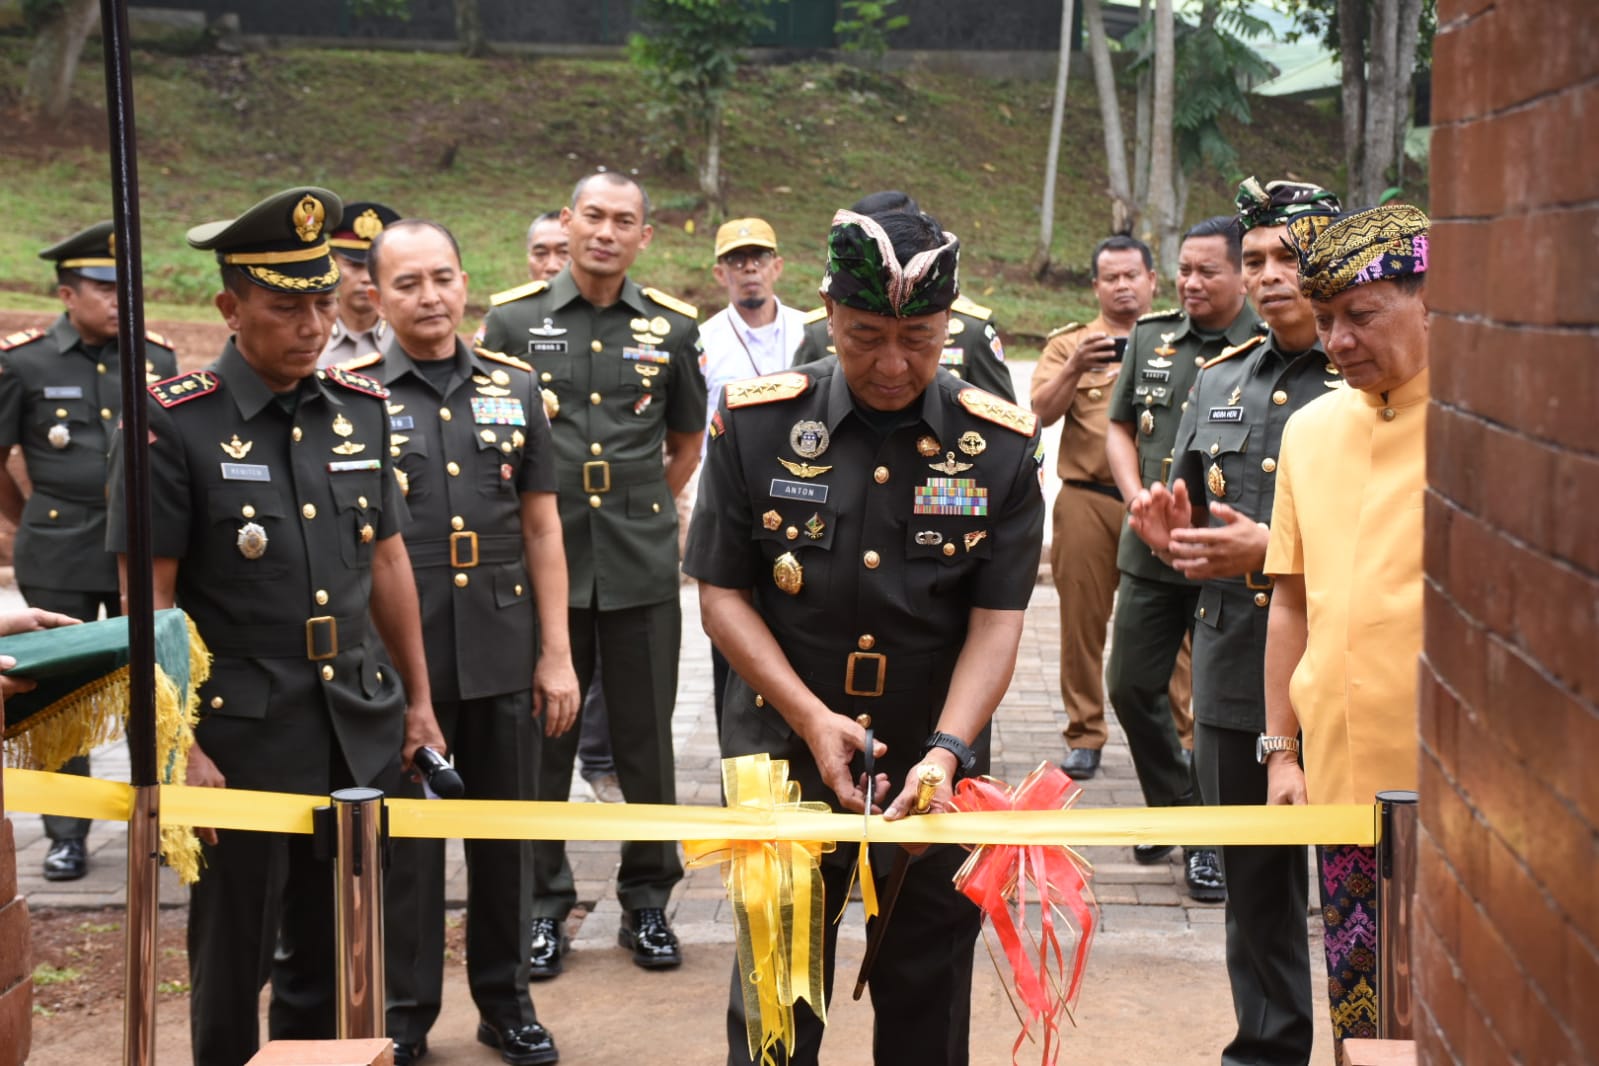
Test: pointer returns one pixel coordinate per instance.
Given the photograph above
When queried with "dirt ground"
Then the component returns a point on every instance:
(1149, 998)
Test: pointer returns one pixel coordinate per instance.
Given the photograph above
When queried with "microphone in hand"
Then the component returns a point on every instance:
(438, 775)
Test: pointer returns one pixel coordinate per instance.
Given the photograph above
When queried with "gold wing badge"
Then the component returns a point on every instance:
(805, 470)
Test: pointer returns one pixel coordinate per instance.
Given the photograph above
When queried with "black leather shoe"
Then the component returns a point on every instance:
(1205, 881)
(520, 1045)
(547, 945)
(646, 934)
(1081, 763)
(1150, 854)
(67, 860)
(405, 1054)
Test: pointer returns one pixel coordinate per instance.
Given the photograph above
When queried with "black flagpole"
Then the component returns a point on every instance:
(138, 1048)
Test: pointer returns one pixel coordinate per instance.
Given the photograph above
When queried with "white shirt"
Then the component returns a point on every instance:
(733, 351)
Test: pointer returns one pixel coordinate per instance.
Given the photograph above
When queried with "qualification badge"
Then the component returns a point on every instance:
(1164, 350)
(252, 541)
(1216, 481)
(1234, 396)
(499, 377)
(808, 438)
(972, 443)
(367, 533)
(815, 527)
(950, 465)
(928, 446)
(1146, 422)
(342, 426)
(772, 520)
(788, 574)
(59, 435)
(237, 449)
(552, 403)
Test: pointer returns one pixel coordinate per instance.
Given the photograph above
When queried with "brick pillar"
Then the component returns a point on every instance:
(16, 956)
(1507, 941)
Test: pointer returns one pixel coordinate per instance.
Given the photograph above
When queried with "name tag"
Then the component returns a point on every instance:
(63, 392)
(646, 355)
(798, 490)
(498, 411)
(246, 472)
(1155, 375)
(346, 465)
(1226, 414)
(399, 422)
(551, 347)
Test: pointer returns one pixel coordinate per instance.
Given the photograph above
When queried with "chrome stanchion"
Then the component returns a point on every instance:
(1396, 894)
(358, 911)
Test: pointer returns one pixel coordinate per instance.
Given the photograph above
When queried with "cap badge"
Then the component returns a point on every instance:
(367, 225)
(309, 215)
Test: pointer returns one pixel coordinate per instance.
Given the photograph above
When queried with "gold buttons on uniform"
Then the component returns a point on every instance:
(61, 412)
(216, 701)
(594, 398)
(867, 642)
(461, 581)
(1268, 464)
(596, 448)
(871, 559)
(1215, 447)
(791, 533)
(760, 701)
(99, 368)
(444, 414)
(949, 548)
(596, 346)
(1201, 612)
(545, 377)
(517, 589)
(247, 511)
(655, 507)
(594, 501)
(452, 468)
(360, 501)
(309, 510)
(1199, 360)
(321, 597)
(457, 523)
(1096, 394)
(1387, 414)
(327, 673)
(1261, 599)
(880, 475)
(1185, 405)
(1279, 397)
(297, 434)
(105, 414)
(54, 513)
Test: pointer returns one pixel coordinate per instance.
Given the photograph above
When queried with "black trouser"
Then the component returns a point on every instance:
(1268, 953)
(639, 672)
(720, 669)
(1152, 618)
(85, 607)
(921, 983)
(494, 741)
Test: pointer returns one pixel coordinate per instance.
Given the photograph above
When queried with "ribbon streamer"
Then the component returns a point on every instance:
(996, 878)
(776, 890)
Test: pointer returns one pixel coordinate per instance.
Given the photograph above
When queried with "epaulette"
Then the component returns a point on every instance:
(991, 408)
(768, 389)
(1070, 327)
(361, 361)
(672, 303)
(501, 357)
(155, 338)
(1228, 353)
(185, 387)
(17, 340)
(354, 382)
(816, 315)
(967, 307)
(532, 288)
(1155, 316)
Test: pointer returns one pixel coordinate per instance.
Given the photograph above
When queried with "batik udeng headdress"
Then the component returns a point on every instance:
(863, 272)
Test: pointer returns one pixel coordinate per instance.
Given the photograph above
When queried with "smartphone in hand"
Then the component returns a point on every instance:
(1121, 349)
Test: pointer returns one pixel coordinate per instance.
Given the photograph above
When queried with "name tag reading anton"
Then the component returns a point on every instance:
(246, 472)
(63, 392)
(784, 489)
(1226, 414)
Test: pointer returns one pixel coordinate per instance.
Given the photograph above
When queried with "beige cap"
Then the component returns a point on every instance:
(744, 233)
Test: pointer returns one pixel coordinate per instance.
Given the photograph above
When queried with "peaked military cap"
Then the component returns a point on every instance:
(363, 220)
(281, 243)
(90, 252)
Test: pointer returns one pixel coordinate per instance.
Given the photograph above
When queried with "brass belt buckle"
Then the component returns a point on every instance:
(469, 538)
(1249, 581)
(855, 659)
(600, 468)
(321, 631)
(1165, 469)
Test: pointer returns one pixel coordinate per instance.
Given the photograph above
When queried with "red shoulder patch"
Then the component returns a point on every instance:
(185, 387)
(354, 382)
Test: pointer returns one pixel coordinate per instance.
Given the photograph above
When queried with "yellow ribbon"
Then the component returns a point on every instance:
(1333, 823)
(776, 890)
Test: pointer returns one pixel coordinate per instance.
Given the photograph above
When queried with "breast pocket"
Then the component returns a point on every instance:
(410, 453)
(796, 541)
(357, 504)
(246, 520)
(497, 458)
(942, 553)
(1225, 448)
(59, 423)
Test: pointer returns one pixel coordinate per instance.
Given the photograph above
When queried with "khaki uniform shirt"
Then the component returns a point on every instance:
(1081, 455)
(344, 345)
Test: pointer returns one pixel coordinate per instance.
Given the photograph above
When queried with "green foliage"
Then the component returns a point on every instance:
(866, 25)
(36, 14)
(1319, 19)
(45, 975)
(397, 9)
(172, 988)
(689, 50)
(99, 927)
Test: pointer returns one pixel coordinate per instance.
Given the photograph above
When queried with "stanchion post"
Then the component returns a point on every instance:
(358, 911)
(1396, 894)
(144, 900)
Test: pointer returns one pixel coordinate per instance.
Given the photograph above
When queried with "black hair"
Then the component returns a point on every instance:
(236, 280)
(538, 220)
(1225, 227)
(70, 278)
(879, 203)
(406, 224)
(612, 177)
(910, 232)
(1119, 242)
(1410, 284)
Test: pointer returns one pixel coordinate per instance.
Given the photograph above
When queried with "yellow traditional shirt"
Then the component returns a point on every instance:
(1348, 516)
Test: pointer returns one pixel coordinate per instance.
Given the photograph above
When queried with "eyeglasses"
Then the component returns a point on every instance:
(738, 260)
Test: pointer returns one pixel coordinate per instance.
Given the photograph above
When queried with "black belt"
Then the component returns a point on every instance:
(315, 639)
(1093, 486)
(465, 549)
(601, 475)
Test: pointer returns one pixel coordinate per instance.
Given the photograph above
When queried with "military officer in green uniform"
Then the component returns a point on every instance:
(1225, 462)
(619, 367)
(275, 518)
(1154, 603)
(866, 538)
(971, 350)
(471, 446)
(60, 398)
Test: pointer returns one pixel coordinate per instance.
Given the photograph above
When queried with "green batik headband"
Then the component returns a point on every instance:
(863, 272)
(1280, 201)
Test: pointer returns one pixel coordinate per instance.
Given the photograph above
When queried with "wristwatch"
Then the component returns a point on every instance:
(1265, 745)
(965, 757)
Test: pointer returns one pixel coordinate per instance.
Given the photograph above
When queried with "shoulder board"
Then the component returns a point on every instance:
(361, 361)
(1228, 353)
(815, 315)
(501, 357)
(354, 382)
(155, 338)
(17, 340)
(1070, 327)
(967, 307)
(1155, 316)
(530, 289)
(672, 303)
(991, 408)
(768, 389)
(185, 387)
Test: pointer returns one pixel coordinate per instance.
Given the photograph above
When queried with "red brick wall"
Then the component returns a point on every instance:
(1507, 941)
(16, 960)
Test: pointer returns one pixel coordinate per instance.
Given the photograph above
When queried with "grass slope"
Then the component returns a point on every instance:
(484, 145)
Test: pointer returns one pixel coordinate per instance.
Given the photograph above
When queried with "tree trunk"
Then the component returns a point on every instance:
(1039, 265)
(711, 165)
(1123, 208)
(1141, 115)
(1409, 39)
(1162, 213)
(469, 29)
(1352, 58)
(1381, 61)
(54, 62)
